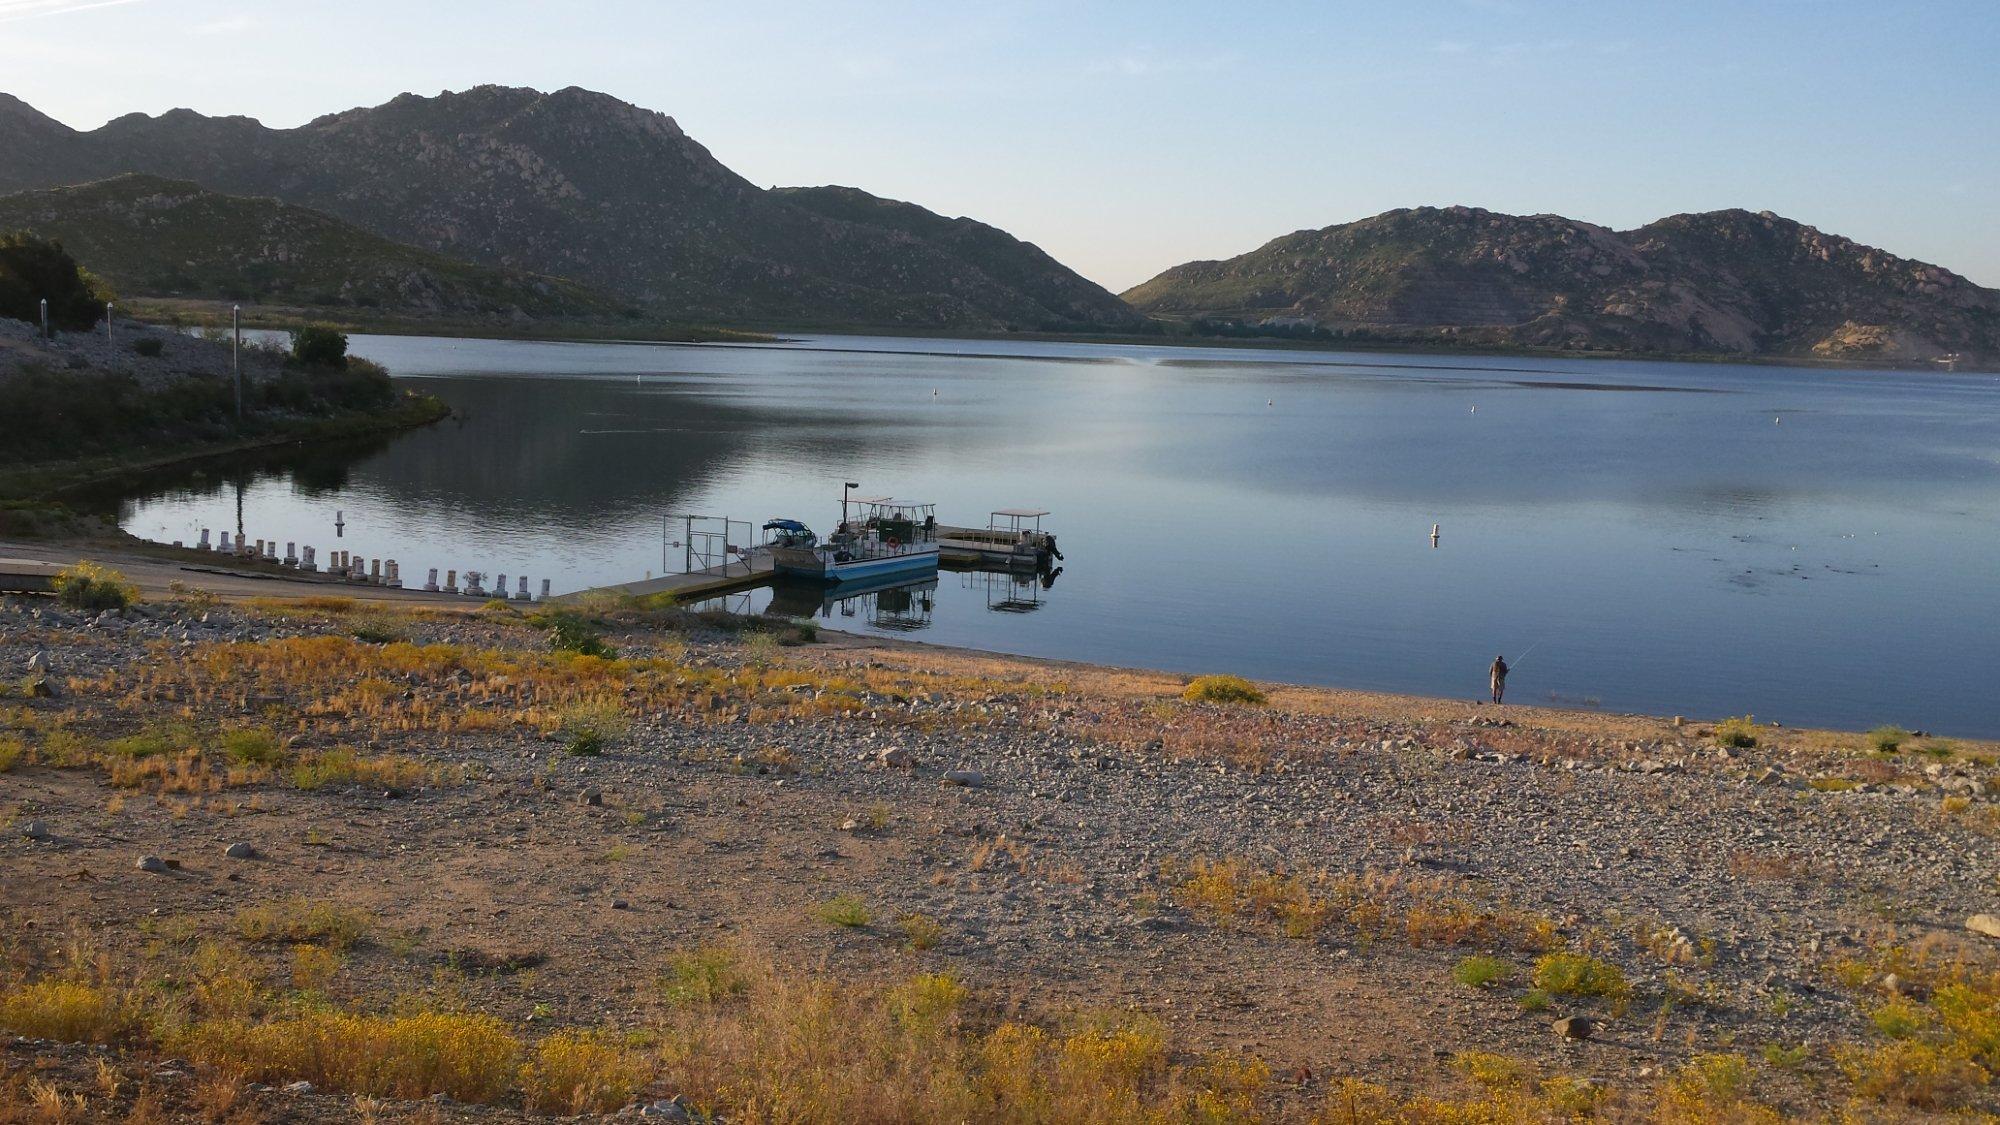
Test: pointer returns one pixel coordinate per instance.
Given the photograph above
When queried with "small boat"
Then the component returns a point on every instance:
(887, 537)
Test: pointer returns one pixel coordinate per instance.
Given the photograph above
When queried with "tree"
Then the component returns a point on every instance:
(33, 269)
(319, 345)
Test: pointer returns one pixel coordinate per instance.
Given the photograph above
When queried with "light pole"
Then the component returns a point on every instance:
(845, 488)
(45, 320)
(108, 337)
(236, 355)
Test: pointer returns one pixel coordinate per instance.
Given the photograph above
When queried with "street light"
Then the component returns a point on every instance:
(45, 320)
(108, 338)
(846, 488)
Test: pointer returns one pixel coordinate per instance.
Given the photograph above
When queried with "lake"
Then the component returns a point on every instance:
(1812, 547)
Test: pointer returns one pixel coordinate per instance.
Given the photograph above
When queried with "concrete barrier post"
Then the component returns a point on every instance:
(545, 589)
(204, 539)
(523, 595)
(431, 583)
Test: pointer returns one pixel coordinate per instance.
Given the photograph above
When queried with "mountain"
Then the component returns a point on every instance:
(580, 185)
(1722, 281)
(154, 237)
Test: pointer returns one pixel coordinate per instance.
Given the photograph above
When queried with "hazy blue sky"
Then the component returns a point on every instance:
(1128, 137)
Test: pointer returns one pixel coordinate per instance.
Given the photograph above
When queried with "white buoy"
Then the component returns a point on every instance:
(1435, 528)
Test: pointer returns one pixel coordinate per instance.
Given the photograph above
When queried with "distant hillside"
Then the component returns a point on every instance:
(580, 185)
(167, 238)
(1725, 281)
(1020, 266)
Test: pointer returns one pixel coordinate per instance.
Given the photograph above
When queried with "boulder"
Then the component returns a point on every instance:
(897, 757)
(1986, 925)
(970, 779)
(1573, 1027)
(240, 850)
(35, 830)
(152, 863)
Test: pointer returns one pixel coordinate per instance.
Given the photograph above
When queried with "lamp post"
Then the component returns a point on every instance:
(845, 488)
(236, 355)
(45, 320)
(108, 337)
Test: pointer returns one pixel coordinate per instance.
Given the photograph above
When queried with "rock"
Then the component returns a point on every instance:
(593, 797)
(240, 850)
(36, 830)
(620, 904)
(897, 757)
(299, 1088)
(672, 1110)
(970, 779)
(1573, 1027)
(1987, 925)
(39, 687)
(152, 863)
(850, 825)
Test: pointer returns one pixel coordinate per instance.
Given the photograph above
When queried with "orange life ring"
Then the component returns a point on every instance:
(892, 542)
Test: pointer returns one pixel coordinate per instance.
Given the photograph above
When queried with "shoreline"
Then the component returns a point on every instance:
(781, 332)
(152, 566)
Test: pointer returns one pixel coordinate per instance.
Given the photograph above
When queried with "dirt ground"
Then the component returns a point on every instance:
(1052, 820)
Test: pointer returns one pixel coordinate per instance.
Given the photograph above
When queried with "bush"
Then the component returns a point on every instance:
(1481, 971)
(88, 586)
(587, 728)
(319, 345)
(1222, 689)
(577, 1072)
(703, 976)
(252, 747)
(58, 1009)
(569, 632)
(847, 911)
(1739, 733)
(1887, 740)
(32, 269)
(1578, 974)
(299, 920)
(149, 346)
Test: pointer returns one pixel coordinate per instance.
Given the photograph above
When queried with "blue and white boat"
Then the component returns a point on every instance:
(886, 537)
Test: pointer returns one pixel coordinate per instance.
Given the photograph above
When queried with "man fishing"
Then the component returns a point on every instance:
(1499, 672)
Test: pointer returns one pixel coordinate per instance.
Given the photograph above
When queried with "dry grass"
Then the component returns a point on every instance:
(302, 920)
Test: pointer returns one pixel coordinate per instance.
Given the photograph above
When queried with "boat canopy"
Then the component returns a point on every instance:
(785, 525)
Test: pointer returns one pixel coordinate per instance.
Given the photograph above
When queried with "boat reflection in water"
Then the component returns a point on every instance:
(887, 604)
(884, 603)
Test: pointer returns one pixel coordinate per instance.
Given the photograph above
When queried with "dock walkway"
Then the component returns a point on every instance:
(754, 569)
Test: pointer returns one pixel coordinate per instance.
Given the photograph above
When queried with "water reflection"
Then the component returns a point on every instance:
(1259, 512)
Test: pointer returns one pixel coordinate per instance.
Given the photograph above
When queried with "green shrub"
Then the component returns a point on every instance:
(88, 586)
(255, 747)
(319, 345)
(703, 976)
(32, 269)
(1887, 740)
(149, 346)
(846, 910)
(1579, 974)
(569, 632)
(1739, 733)
(1481, 971)
(1222, 689)
(587, 728)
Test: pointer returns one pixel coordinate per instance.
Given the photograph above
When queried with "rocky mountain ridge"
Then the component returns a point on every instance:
(580, 185)
(1722, 281)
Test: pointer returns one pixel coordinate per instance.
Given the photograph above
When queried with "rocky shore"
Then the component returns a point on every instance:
(1485, 906)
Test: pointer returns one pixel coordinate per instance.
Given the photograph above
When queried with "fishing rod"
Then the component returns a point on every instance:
(1525, 655)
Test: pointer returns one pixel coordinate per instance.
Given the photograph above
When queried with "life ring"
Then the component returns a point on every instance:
(892, 542)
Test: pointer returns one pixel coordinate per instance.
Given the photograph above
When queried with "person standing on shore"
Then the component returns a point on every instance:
(1499, 672)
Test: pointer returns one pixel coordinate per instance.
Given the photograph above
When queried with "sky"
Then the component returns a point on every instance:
(1125, 138)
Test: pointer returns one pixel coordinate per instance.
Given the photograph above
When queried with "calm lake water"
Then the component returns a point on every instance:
(1812, 547)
